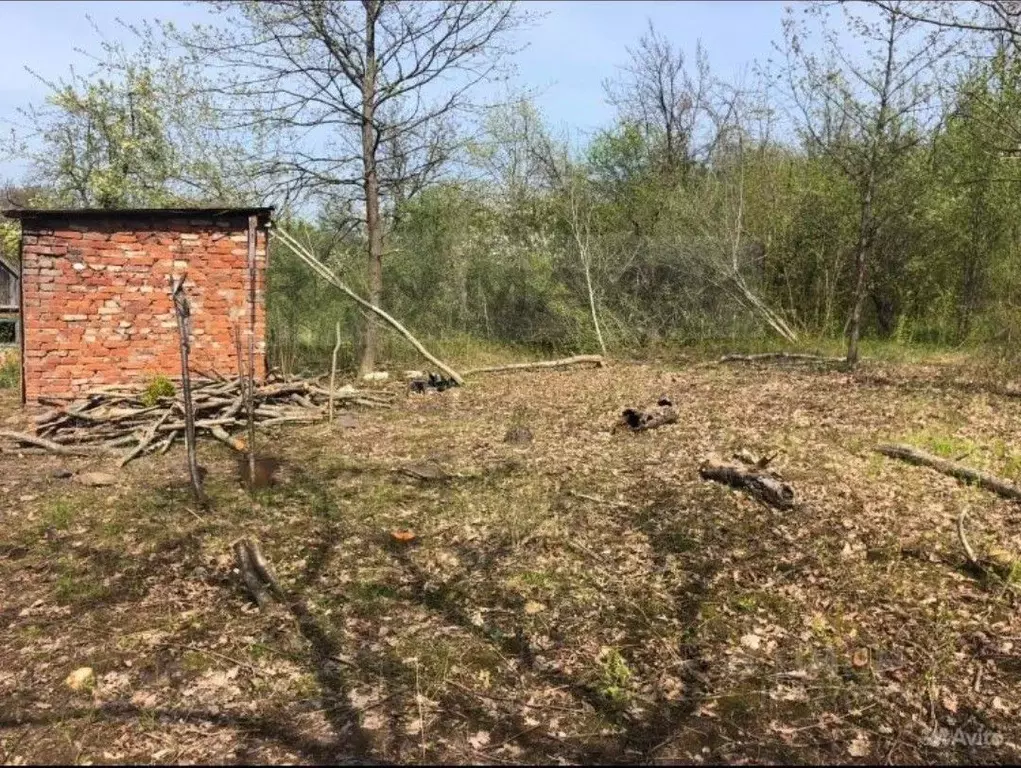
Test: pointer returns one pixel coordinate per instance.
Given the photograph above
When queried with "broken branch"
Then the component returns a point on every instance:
(764, 485)
(596, 360)
(324, 272)
(966, 474)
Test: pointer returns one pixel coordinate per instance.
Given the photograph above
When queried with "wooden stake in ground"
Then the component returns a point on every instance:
(981, 479)
(323, 271)
(333, 371)
(182, 309)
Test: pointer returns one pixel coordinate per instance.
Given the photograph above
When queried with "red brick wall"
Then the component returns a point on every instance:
(97, 308)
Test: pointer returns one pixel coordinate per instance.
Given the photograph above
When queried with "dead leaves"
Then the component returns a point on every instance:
(706, 597)
(860, 746)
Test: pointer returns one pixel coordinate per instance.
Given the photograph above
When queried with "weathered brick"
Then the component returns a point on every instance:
(101, 314)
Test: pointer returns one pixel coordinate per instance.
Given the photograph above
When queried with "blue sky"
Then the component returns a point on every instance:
(571, 50)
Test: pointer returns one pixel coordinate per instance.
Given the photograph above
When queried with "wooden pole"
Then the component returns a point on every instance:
(253, 222)
(182, 309)
(333, 371)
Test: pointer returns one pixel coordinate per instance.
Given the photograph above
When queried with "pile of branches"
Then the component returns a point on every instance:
(121, 420)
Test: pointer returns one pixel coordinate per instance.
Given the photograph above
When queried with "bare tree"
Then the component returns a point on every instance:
(867, 118)
(656, 91)
(360, 95)
(997, 20)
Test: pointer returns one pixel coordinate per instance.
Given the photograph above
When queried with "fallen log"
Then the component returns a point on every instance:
(254, 585)
(965, 474)
(49, 445)
(596, 360)
(764, 485)
(778, 356)
(635, 420)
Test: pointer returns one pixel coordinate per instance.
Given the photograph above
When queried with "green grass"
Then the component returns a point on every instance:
(58, 514)
(10, 372)
(949, 446)
(78, 587)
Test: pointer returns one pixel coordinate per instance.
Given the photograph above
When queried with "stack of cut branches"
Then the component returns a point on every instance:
(121, 420)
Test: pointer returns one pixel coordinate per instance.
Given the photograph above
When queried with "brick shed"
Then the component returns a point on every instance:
(96, 308)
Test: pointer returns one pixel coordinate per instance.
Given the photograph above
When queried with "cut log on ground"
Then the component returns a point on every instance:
(635, 420)
(779, 356)
(973, 476)
(253, 583)
(109, 420)
(60, 450)
(258, 577)
(261, 565)
(597, 360)
(431, 383)
(764, 485)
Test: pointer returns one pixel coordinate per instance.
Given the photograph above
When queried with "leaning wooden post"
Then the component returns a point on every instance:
(182, 309)
(333, 371)
(253, 222)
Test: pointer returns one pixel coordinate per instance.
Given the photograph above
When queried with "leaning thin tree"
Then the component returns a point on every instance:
(324, 272)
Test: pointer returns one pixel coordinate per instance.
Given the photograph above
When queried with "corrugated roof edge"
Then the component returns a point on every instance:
(37, 213)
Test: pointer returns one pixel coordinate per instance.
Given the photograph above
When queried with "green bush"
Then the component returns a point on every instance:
(158, 388)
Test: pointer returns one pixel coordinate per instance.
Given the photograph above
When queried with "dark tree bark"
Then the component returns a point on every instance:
(373, 224)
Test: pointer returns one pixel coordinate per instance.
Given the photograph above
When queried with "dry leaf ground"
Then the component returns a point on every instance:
(677, 621)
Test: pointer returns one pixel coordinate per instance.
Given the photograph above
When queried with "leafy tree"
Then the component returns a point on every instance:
(135, 132)
(866, 119)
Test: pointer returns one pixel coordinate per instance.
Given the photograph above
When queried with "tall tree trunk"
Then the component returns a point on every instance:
(373, 222)
(867, 224)
(861, 271)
